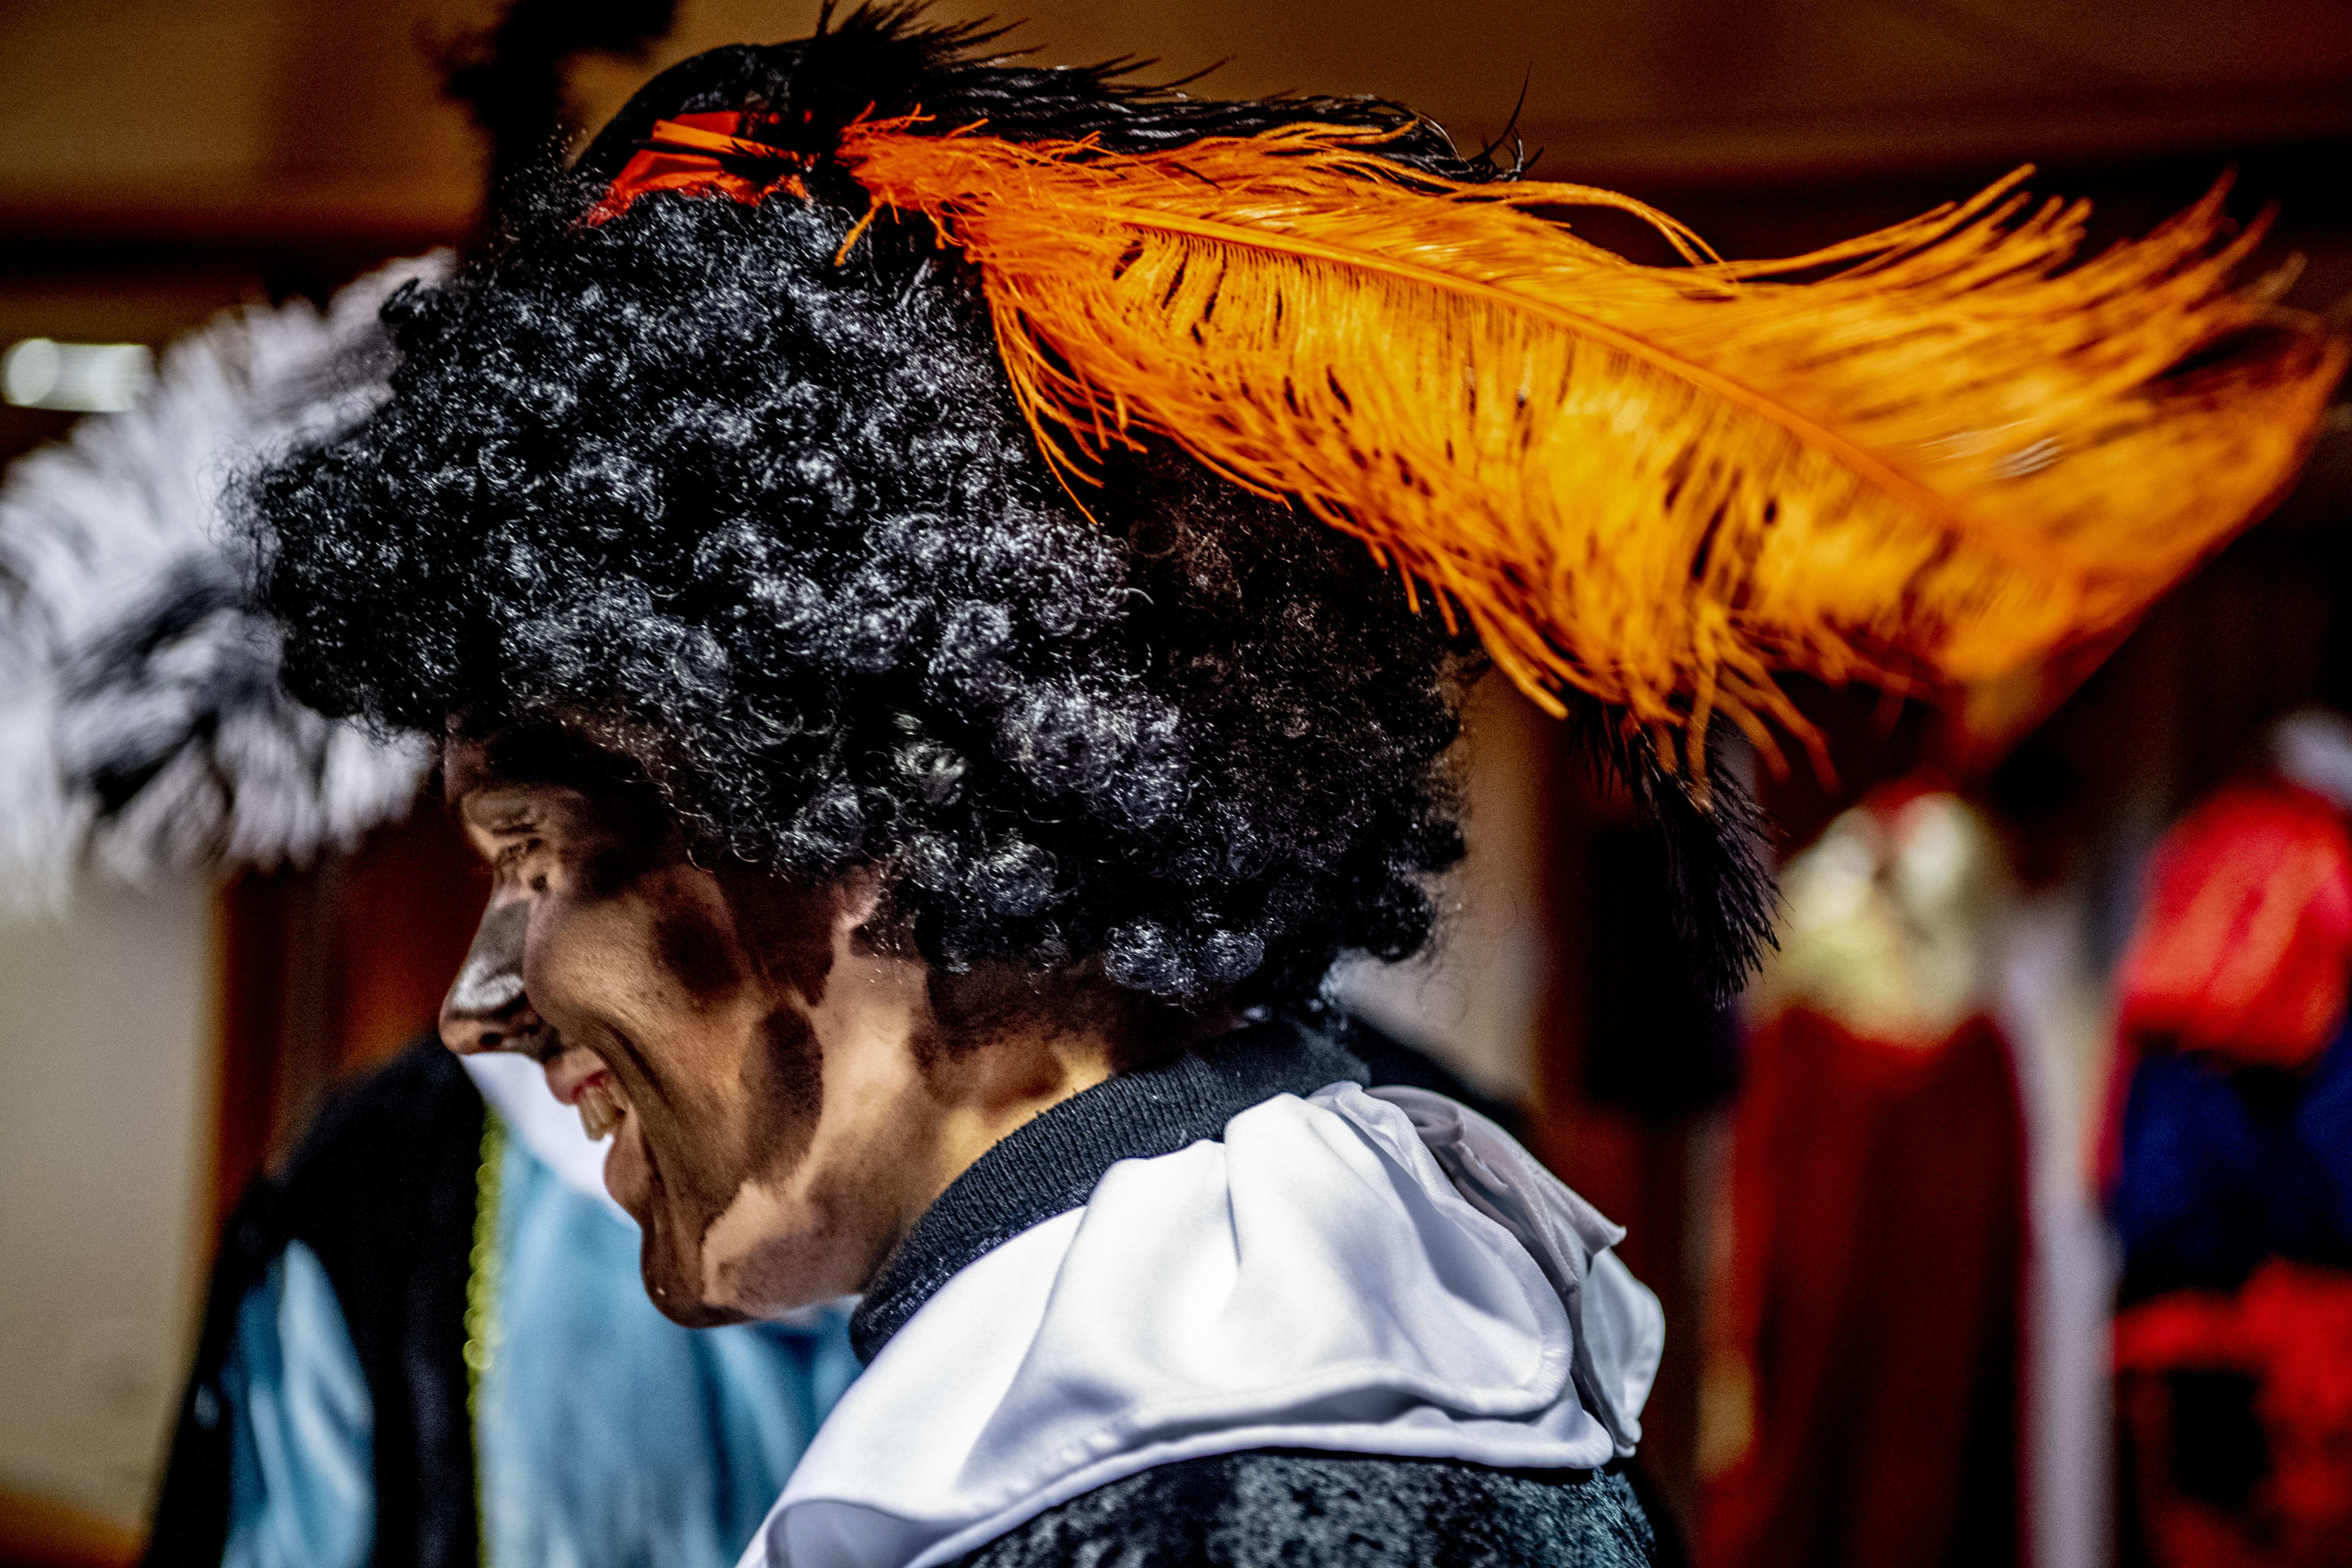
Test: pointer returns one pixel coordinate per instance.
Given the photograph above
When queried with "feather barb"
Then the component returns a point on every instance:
(1924, 457)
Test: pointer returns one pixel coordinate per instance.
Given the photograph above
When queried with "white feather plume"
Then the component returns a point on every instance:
(143, 731)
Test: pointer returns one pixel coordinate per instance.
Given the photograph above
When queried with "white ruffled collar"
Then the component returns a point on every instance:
(1377, 1272)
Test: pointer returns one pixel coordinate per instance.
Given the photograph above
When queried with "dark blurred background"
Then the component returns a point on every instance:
(160, 163)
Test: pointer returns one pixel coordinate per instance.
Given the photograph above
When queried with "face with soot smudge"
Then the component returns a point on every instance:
(753, 1058)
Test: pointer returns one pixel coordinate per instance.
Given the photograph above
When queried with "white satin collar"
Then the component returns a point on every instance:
(1374, 1273)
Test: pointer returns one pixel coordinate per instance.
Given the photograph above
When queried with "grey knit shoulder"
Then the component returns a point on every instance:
(1264, 1509)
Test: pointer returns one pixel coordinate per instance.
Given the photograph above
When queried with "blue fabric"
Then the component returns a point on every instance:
(2222, 1169)
(608, 1437)
(614, 1438)
(302, 1447)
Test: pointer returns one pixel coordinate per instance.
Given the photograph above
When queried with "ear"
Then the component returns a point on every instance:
(857, 899)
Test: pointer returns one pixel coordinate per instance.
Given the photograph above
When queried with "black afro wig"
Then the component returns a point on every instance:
(681, 476)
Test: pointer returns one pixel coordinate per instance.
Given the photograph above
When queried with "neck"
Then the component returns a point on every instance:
(984, 1092)
(1051, 1163)
(1002, 1044)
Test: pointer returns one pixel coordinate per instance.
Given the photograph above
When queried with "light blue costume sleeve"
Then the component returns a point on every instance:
(301, 1441)
(609, 1436)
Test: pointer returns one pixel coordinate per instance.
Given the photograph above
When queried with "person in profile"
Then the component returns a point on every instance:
(861, 542)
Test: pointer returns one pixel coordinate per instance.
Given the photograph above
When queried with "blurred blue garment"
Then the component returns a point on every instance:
(607, 1435)
(2223, 1168)
(302, 1437)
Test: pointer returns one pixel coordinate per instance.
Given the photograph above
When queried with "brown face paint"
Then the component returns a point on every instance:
(786, 1078)
(671, 1266)
(700, 956)
(706, 1141)
(789, 933)
(706, 995)
(701, 1170)
(688, 1129)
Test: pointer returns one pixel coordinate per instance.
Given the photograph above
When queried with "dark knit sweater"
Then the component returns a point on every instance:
(1273, 1509)
(1294, 1508)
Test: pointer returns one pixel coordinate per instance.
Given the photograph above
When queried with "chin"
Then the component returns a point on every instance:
(673, 1284)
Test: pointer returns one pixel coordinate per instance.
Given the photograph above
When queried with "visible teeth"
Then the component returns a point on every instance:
(600, 1109)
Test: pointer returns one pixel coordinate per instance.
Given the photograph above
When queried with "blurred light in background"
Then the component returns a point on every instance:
(82, 378)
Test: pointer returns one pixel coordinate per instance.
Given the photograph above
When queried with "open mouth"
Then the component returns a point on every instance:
(580, 1080)
(601, 1106)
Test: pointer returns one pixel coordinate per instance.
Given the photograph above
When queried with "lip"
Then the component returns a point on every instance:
(572, 1071)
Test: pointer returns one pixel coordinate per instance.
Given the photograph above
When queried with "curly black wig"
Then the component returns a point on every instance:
(684, 476)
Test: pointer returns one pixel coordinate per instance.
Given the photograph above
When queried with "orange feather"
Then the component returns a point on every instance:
(1944, 455)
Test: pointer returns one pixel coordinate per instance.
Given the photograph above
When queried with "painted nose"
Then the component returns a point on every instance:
(486, 1009)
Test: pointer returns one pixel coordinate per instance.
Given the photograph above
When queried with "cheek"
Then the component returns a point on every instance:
(649, 963)
(653, 982)
(699, 955)
(786, 1079)
(567, 962)
(592, 972)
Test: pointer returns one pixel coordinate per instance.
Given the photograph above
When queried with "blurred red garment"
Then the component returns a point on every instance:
(1880, 1235)
(2285, 1341)
(2225, 1169)
(2244, 946)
